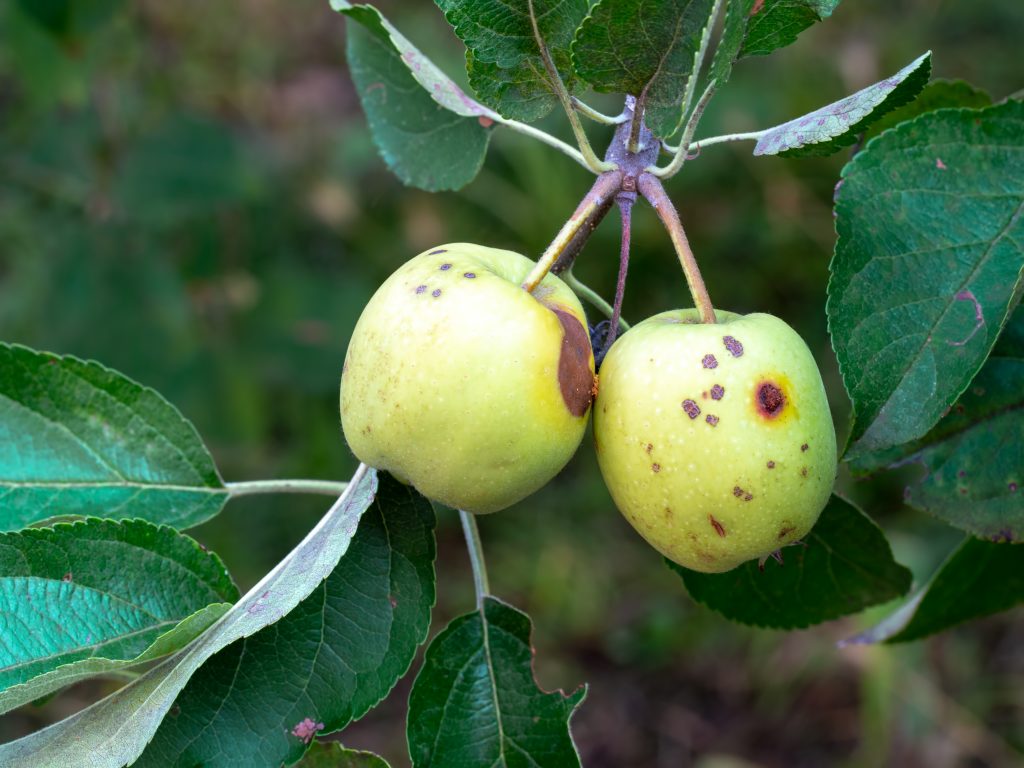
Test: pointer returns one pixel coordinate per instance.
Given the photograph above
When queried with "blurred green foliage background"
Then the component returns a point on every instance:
(188, 193)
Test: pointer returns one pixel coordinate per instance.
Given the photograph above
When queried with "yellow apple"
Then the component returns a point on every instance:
(715, 440)
(463, 384)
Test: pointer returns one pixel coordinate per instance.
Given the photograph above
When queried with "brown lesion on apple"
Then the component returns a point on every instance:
(667, 513)
(576, 378)
(655, 467)
(786, 529)
(719, 528)
(739, 493)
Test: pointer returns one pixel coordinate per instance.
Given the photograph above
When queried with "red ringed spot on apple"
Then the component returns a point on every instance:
(709, 361)
(691, 408)
(770, 400)
(717, 392)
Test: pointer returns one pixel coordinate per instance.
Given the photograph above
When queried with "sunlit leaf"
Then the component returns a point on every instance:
(99, 596)
(339, 652)
(77, 438)
(114, 731)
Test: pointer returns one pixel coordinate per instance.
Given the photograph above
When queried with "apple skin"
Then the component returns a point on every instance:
(715, 440)
(463, 384)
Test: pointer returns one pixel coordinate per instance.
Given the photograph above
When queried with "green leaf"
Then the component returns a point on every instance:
(938, 94)
(429, 132)
(974, 456)
(980, 578)
(333, 755)
(845, 567)
(77, 438)
(926, 264)
(114, 731)
(644, 49)
(831, 128)
(773, 24)
(475, 701)
(325, 664)
(734, 30)
(98, 596)
(504, 59)
(520, 93)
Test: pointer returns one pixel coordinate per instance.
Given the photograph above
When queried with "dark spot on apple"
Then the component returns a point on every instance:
(709, 361)
(655, 468)
(737, 491)
(436, 292)
(575, 378)
(439, 250)
(734, 347)
(770, 400)
(445, 267)
(719, 528)
(470, 275)
(771, 465)
(668, 513)
(748, 496)
(420, 288)
(691, 408)
(803, 448)
(803, 472)
(650, 447)
(785, 531)
(717, 392)
(712, 420)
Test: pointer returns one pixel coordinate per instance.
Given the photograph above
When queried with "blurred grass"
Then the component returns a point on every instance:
(190, 195)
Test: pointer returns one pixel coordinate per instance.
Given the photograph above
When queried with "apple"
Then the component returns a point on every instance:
(463, 384)
(715, 440)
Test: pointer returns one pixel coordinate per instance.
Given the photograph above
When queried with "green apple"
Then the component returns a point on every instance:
(463, 384)
(715, 440)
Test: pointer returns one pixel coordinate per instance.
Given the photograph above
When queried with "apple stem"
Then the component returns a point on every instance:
(580, 225)
(476, 556)
(254, 487)
(653, 191)
(625, 200)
